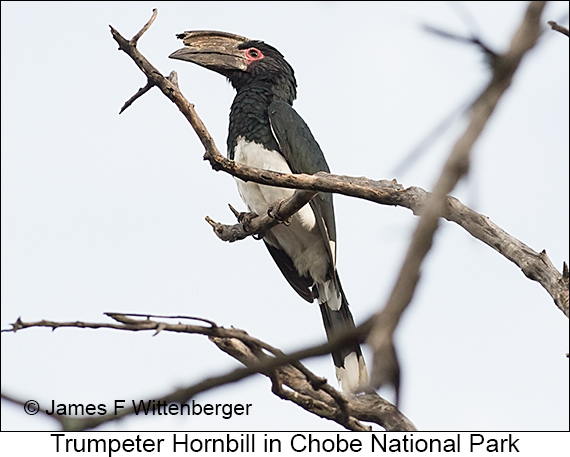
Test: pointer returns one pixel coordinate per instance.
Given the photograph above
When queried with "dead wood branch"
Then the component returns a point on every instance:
(386, 367)
(304, 388)
(535, 266)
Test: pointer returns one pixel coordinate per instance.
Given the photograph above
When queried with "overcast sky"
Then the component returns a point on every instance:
(102, 212)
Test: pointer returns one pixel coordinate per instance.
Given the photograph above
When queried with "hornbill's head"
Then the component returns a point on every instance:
(246, 63)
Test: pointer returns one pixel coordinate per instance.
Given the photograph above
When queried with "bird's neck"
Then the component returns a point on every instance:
(277, 86)
(249, 116)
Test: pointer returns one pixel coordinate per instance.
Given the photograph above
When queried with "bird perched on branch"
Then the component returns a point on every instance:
(266, 132)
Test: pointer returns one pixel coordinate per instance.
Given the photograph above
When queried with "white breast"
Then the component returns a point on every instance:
(258, 197)
(301, 239)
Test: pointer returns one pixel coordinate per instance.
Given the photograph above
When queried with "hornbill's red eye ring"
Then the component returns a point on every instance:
(253, 54)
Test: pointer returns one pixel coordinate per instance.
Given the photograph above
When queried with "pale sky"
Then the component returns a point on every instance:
(102, 212)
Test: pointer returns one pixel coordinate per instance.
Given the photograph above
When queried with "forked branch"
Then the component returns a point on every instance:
(291, 380)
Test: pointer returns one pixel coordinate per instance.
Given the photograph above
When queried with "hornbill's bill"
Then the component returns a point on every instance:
(266, 132)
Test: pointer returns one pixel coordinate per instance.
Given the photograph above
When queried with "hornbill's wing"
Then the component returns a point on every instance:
(304, 155)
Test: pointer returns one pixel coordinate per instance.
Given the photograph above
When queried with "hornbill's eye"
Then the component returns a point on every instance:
(253, 54)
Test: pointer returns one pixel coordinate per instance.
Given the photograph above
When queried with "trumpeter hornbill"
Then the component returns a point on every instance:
(266, 132)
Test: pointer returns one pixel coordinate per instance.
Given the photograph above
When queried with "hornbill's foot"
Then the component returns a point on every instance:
(273, 212)
(245, 219)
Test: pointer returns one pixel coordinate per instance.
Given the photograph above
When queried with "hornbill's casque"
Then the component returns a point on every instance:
(266, 132)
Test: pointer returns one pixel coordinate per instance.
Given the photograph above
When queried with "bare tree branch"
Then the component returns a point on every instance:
(304, 388)
(535, 266)
(386, 367)
(251, 224)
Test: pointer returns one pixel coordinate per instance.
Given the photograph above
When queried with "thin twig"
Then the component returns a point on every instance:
(121, 317)
(559, 28)
(462, 39)
(136, 38)
(140, 93)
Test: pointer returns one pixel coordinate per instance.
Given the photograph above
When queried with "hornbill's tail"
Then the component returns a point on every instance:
(349, 363)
